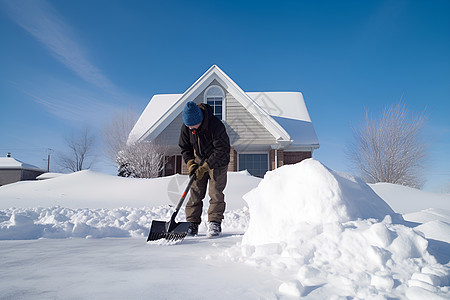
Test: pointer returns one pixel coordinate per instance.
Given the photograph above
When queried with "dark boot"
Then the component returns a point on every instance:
(193, 229)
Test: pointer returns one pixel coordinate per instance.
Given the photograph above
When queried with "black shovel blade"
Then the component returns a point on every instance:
(171, 231)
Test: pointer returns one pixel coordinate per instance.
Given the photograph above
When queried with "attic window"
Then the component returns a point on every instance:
(214, 96)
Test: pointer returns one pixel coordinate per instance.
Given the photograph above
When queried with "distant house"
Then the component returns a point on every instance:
(266, 129)
(12, 170)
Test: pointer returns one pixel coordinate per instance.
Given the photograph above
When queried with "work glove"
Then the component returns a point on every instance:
(201, 171)
(192, 167)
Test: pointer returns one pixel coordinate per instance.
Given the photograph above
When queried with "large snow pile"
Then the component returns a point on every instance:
(307, 193)
(317, 228)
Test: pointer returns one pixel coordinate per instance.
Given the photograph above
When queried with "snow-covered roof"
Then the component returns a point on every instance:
(156, 109)
(12, 163)
(284, 114)
(289, 110)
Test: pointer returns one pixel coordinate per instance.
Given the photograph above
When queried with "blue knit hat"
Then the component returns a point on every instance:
(192, 114)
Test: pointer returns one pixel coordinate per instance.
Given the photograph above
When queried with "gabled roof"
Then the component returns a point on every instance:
(154, 119)
(281, 113)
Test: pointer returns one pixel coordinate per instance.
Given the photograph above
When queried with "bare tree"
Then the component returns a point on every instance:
(390, 148)
(80, 154)
(116, 132)
(141, 160)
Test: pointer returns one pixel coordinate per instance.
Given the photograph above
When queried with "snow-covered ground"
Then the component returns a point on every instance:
(303, 231)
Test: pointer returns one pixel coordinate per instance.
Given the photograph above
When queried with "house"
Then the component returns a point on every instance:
(266, 129)
(12, 170)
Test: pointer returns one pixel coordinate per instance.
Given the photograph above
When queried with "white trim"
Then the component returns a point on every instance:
(276, 159)
(176, 108)
(303, 148)
(175, 164)
(213, 86)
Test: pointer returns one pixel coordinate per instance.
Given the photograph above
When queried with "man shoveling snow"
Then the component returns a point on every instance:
(203, 137)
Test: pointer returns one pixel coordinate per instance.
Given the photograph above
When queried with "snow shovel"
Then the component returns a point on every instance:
(172, 231)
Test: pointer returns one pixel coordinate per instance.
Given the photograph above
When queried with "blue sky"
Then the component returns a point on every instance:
(66, 65)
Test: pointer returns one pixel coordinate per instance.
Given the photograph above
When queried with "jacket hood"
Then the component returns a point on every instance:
(207, 115)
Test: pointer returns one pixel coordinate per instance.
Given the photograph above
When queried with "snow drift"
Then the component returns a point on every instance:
(61, 222)
(398, 195)
(314, 227)
(88, 204)
(88, 189)
(319, 234)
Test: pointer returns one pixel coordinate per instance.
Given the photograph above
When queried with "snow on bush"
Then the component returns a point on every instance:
(141, 160)
(314, 227)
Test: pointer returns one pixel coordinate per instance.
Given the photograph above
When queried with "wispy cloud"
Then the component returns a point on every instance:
(44, 23)
(68, 102)
(74, 102)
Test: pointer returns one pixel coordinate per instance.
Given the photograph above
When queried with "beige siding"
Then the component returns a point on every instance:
(200, 97)
(242, 127)
(170, 135)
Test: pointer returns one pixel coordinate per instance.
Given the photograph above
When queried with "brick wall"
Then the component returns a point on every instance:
(295, 157)
(232, 166)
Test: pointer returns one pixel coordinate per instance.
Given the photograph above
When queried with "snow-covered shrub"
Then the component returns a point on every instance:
(141, 160)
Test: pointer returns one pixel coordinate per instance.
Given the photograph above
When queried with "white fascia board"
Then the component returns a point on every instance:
(302, 148)
(214, 72)
(281, 144)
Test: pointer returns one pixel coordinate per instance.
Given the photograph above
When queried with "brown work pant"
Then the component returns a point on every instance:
(217, 181)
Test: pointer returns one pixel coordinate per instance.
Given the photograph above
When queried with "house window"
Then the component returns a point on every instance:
(214, 96)
(256, 164)
(172, 165)
(216, 104)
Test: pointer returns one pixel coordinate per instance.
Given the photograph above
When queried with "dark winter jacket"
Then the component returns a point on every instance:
(209, 141)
